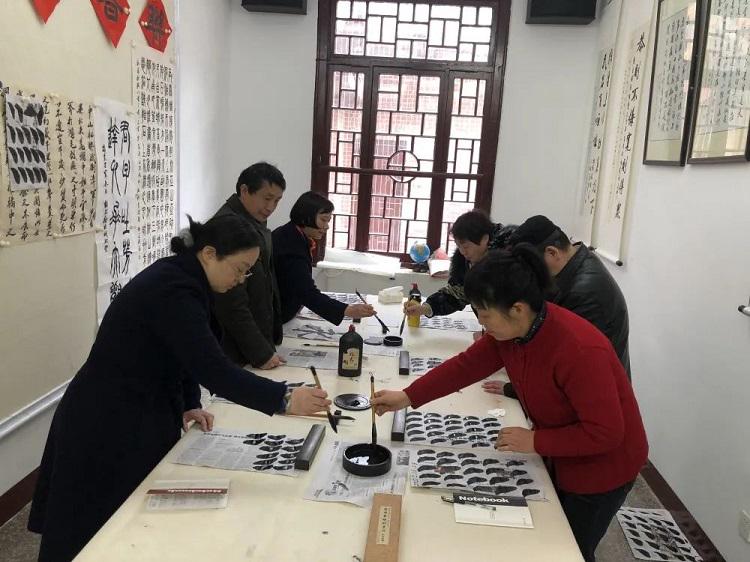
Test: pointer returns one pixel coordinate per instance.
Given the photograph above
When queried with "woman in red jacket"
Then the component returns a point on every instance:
(569, 380)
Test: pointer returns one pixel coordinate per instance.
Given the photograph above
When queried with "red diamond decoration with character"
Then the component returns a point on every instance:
(45, 8)
(155, 25)
(113, 15)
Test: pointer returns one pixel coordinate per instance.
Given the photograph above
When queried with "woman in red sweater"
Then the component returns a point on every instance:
(569, 380)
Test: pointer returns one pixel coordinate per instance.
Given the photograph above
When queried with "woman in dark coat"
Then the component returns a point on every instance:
(294, 245)
(123, 410)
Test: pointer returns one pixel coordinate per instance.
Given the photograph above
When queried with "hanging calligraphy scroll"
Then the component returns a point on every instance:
(672, 82)
(153, 98)
(596, 142)
(588, 193)
(630, 102)
(612, 204)
(72, 165)
(720, 131)
(116, 141)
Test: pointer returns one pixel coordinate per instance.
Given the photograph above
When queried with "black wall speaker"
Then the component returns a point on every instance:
(276, 6)
(561, 12)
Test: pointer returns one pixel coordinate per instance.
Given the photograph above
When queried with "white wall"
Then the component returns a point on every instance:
(544, 120)
(47, 289)
(271, 91)
(272, 85)
(686, 271)
(202, 77)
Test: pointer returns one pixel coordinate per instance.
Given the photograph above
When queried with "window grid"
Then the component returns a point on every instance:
(418, 31)
(380, 119)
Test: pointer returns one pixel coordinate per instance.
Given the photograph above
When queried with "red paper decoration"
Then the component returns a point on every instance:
(45, 8)
(155, 25)
(113, 15)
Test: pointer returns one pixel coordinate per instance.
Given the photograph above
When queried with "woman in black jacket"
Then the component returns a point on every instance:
(293, 248)
(123, 410)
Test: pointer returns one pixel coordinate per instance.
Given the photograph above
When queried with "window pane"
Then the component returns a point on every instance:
(403, 30)
(404, 117)
(400, 204)
(463, 152)
(343, 9)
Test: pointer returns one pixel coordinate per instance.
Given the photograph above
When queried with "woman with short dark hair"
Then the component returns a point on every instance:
(294, 246)
(568, 378)
(475, 234)
(124, 409)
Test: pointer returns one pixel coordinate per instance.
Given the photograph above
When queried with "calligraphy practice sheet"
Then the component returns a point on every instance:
(26, 139)
(451, 430)
(652, 534)
(234, 450)
(419, 365)
(64, 201)
(310, 330)
(332, 483)
(448, 323)
(474, 471)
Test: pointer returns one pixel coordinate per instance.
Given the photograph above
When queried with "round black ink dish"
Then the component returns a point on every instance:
(366, 459)
(352, 401)
(393, 341)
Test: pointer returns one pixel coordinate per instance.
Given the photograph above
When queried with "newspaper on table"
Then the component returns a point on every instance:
(331, 483)
(236, 450)
(304, 358)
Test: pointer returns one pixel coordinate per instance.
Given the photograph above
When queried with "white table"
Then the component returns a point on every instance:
(267, 519)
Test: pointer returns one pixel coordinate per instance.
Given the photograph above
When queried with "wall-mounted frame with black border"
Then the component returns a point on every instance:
(721, 120)
(673, 78)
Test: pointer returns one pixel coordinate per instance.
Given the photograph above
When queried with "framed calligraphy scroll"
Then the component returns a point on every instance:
(722, 115)
(671, 101)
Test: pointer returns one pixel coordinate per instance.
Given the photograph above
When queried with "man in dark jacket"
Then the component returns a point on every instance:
(250, 314)
(583, 285)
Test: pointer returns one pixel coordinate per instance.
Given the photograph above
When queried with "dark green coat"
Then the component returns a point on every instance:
(251, 312)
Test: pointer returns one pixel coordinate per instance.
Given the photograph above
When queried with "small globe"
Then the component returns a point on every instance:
(419, 252)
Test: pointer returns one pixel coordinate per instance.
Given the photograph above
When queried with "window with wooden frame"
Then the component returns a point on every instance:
(407, 115)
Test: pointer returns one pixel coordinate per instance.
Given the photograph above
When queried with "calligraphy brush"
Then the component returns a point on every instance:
(337, 417)
(401, 329)
(385, 328)
(320, 344)
(372, 397)
(331, 419)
